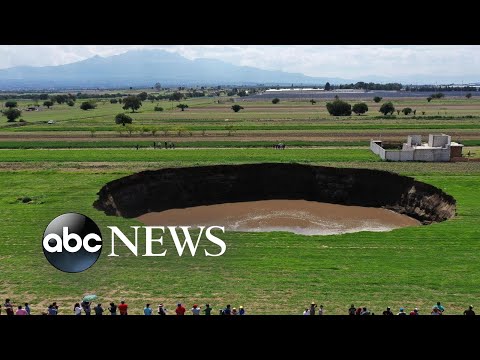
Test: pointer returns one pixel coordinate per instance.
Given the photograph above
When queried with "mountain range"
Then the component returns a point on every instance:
(144, 68)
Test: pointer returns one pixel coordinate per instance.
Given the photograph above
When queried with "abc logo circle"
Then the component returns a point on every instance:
(72, 242)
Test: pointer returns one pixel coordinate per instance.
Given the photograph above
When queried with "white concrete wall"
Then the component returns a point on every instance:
(436, 155)
(438, 140)
(393, 155)
(377, 149)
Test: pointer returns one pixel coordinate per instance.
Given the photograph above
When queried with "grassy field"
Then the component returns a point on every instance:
(269, 273)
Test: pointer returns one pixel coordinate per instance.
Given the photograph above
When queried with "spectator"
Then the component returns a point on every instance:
(352, 310)
(147, 310)
(27, 309)
(123, 308)
(402, 312)
(321, 311)
(52, 310)
(87, 308)
(241, 311)
(166, 147)
(21, 311)
(98, 310)
(161, 310)
(180, 310)
(306, 312)
(234, 311)
(414, 312)
(469, 311)
(365, 311)
(195, 310)
(208, 309)
(440, 307)
(312, 308)
(77, 310)
(436, 311)
(8, 307)
(388, 311)
(359, 311)
(227, 310)
(113, 309)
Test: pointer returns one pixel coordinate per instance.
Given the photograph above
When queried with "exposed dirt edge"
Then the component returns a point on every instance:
(174, 188)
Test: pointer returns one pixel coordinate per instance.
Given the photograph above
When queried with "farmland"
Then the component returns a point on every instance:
(62, 166)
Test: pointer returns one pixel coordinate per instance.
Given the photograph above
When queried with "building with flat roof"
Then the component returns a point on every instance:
(440, 147)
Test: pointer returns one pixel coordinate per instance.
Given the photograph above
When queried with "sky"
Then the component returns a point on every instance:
(461, 62)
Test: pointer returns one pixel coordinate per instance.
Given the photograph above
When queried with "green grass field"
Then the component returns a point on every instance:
(267, 273)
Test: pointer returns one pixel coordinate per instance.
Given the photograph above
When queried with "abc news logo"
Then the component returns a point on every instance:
(73, 243)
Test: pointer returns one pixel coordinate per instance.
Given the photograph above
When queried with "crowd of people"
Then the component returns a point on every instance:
(437, 309)
(85, 308)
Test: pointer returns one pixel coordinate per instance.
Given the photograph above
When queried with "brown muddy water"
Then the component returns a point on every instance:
(296, 216)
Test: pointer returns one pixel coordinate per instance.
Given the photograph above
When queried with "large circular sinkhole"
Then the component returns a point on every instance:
(303, 199)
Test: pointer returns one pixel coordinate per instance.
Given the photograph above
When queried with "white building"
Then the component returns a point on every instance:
(440, 147)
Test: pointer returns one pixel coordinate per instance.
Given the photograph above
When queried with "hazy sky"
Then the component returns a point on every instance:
(351, 61)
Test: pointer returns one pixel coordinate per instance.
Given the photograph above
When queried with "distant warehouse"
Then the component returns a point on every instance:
(440, 147)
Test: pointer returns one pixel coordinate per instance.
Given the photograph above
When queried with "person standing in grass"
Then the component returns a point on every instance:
(147, 310)
(241, 311)
(21, 311)
(469, 311)
(161, 310)
(207, 309)
(440, 307)
(27, 309)
(77, 309)
(352, 310)
(414, 312)
(98, 310)
(180, 310)
(8, 307)
(388, 312)
(113, 309)
(321, 311)
(195, 310)
(123, 308)
(312, 308)
(227, 310)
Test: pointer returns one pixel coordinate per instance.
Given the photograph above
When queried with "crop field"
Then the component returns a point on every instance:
(60, 167)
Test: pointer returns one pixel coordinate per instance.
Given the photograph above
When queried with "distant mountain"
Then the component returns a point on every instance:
(140, 68)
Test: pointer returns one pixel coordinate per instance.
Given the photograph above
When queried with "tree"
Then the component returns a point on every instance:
(158, 108)
(152, 98)
(123, 119)
(113, 101)
(339, 108)
(414, 112)
(377, 99)
(468, 96)
(429, 98)
(70, 103)
(132, 102)
(407, 111)
(88, 105)
(275, 101)
(11, 104)
(360, 108)
(143, 96)
(60, 98)
(398, 112)
(43, 96)
(158, 86)
(48, 103)
(313, 101)
(387, 108)
(176, 96)
(12, 114)
(242, 93)
(237, 107)
(182, 106)
(328, 87)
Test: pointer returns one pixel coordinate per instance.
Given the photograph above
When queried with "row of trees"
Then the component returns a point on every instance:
(342, 108)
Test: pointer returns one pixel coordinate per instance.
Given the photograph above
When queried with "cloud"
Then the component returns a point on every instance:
(352, 61)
